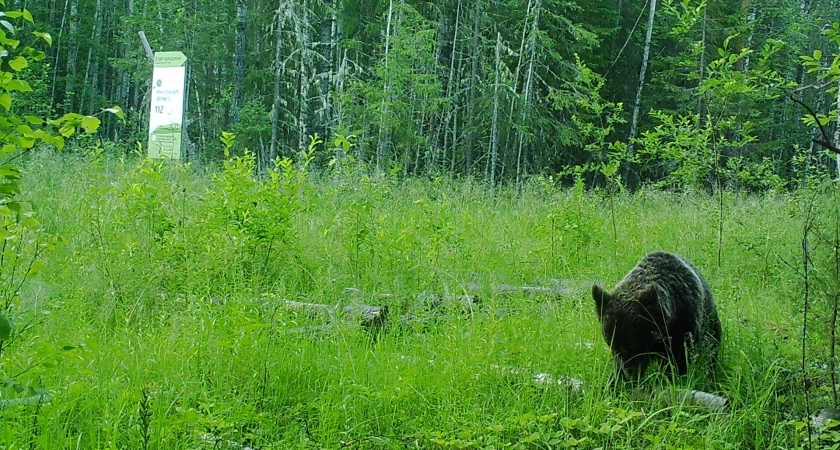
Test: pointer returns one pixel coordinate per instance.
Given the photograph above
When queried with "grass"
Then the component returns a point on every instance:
(174, 281)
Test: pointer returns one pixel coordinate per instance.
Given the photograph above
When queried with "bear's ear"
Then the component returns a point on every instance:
(602, 299)
(652, 302)
(650, 296)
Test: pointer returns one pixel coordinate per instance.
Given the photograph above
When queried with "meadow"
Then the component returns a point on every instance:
(161, 322)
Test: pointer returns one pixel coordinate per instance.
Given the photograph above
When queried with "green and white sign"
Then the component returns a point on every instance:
(167, 109)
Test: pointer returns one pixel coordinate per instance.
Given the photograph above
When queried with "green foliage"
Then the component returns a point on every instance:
(714, 149)
(595, 120)
(189, 345)
(24, 241)
(394, 103)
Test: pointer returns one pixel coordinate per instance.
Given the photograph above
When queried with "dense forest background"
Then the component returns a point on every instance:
(695, 92)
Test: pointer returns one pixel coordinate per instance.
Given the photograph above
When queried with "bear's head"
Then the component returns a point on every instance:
(633, 323)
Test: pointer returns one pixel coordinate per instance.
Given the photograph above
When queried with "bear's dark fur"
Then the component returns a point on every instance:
(663, 308)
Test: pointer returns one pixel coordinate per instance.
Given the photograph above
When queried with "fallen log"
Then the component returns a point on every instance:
(31, 400)
(555, 290)
(367, 315)
(824, 419)
(699, 398)
(542, 378)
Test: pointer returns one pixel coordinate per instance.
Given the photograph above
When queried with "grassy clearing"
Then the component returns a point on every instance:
(174, 281)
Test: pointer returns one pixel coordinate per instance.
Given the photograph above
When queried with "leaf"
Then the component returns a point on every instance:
(817, 54)
(28, 16)
(67, 130)
(34, 120)
(18, 63)
(5, 327)
(90, 124)
(36, 267)
(6, 101)
(18, 85)
(115, 110)
(7, 25)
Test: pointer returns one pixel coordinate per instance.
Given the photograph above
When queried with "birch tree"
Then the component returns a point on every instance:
(239, 59)
(634, 121)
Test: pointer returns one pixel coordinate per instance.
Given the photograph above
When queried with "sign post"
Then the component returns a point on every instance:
(166, 115)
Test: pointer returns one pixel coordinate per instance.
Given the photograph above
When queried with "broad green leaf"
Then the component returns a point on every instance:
(45, 36)
(18, 63)
(67, 130)
(13, 14)
(10, 171)
(29, 222)
(34, 120)
(5, 327)
(817, 54)
(36, 267)
(90, 124)
(7, 25)
(27, 16)
(18, 85)
(6, 101)
(116, 110)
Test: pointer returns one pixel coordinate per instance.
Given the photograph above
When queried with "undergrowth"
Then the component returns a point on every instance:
(176, 281)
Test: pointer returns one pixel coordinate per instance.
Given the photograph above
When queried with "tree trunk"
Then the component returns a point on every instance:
(238, 60)
(72, 56)
(302, 30)
(471, 113)
(451, 117)
(634, 122)
(92, 68)
(328, 65)
(529, 77)
(701, 69)
(57, 55)
(837, 130)
(494, 130)
(278, 77)
(383, 113)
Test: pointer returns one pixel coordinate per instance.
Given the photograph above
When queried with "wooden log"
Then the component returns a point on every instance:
(427, 301)
(826, 418)
(367, 315)
(713, 402)
(31, 400)
(541, 378)
(556, 290)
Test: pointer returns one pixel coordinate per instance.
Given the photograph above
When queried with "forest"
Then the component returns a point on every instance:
(691, 92)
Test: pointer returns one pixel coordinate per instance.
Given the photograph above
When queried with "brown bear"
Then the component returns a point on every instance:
(663, 309)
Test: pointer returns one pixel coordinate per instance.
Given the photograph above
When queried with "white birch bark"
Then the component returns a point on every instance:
(837, 131)
(383, 141)
(634, 122)
(238, 60)
(72, 54)
(494, 132)
(452, 93)
(91, 82)
(529, 78)
(304, 45)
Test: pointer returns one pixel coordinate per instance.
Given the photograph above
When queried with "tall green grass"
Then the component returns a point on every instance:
(169, 280)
